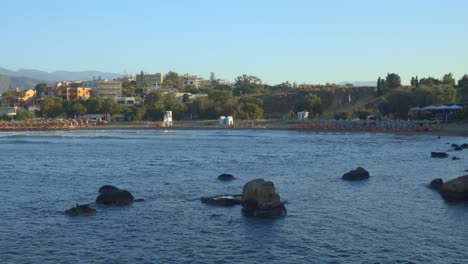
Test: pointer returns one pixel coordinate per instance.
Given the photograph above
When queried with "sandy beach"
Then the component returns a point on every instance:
(452, 129)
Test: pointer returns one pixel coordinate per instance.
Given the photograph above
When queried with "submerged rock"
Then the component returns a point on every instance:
(458, 148)
(260, 199)
(83, 209)
(436, 184)
(111, 195)
(455, 158)
(226, 177)
(456, 189)
(356, 175)
(225, 200)
(439, 155)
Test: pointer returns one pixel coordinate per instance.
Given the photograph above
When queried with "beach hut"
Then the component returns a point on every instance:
(302, 115)
(167, 119)
(222, 120)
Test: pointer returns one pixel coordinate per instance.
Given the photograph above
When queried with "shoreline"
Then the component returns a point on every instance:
(458, 130)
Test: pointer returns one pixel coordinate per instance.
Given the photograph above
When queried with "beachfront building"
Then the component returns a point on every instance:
(109, 89)
(192, 80)
(73, 93)
(150, 79)
(129, 101)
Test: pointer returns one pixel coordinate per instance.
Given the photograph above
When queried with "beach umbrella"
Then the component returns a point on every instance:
(416, 109)
(429, 107)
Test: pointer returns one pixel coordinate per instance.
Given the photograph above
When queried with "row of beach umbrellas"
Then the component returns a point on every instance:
(434, 107)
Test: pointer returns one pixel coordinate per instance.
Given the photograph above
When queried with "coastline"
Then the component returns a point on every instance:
(454, 129)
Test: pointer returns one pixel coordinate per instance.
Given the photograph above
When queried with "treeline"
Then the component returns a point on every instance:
(397, 100)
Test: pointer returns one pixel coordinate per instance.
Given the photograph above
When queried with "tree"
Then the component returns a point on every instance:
(248, 84)
(396, 102)
(310, 103)
(79, 108)
(185, 98)
(449, 80)
(51, 106)
(429, 81)
(40, 89)
(379, 87)
(463, 88)
(392, 81)
(173, 79)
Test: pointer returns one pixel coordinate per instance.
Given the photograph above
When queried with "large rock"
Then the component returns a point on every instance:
(225, 177)
(439, 155)
(260, 199)
(456, 189)
(356, 175)
(110, 195)
(225, 200)
(436, 184)
(83, 209)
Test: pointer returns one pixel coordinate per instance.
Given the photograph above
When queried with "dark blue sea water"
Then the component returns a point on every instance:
(391, 218)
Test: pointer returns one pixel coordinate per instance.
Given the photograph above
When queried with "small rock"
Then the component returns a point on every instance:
(464, 146)
(355, 175)
(439, 155)
(111, 195)
(457, 148)
(455, 158)
(225, 177)
(83, 209)
(139, 200)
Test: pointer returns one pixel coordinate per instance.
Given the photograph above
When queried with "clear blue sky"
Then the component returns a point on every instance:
(303, 41)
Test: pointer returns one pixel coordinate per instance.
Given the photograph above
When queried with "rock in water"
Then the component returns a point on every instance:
(110, 195)
(456, 189)
(260, 199)
(83, 209)
(356, 175)
(225, 177)
(436, 184)
(225, 200)
(106, 188)
(439, 155)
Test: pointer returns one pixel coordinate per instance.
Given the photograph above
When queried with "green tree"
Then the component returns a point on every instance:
(379, 87)
(24, 114)
(449, 80)
(79, 108)
(40, 89)
(248, 84)
(173, 79)
(463, 88)
(51, 106)
(392, 81)
(310, 103)
(429, 82)
(94, 105)
(397, 102)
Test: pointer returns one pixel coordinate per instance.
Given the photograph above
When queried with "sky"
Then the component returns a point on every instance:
(300, 41)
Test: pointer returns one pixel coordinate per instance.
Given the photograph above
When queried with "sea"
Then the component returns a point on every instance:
(393, 217)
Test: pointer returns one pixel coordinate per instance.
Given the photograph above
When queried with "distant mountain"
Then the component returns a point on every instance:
(59, 75)
(8, 81)
(358, 83)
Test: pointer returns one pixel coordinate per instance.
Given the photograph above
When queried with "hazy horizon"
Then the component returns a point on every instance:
(303, 42)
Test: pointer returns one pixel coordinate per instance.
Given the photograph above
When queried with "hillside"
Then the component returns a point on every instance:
(334, 99)
(7, 82)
